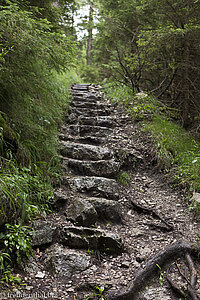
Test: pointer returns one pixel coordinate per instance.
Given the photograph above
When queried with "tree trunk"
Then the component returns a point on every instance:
(89, 38)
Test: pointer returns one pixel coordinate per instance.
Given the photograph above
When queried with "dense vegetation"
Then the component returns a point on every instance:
(37, 52)
(154, 47)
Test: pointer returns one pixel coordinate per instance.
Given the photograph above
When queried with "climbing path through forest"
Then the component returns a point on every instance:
(117, 220)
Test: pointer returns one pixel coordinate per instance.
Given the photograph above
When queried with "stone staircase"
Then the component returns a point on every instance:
(88, 195)
(90, 170)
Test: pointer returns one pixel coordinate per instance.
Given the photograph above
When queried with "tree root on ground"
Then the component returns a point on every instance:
(144, 210)
(162, 258)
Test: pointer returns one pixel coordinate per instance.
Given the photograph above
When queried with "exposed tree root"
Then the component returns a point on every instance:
(192, 269)
(175, 288)
(163, 257)
(162, 228)
(144, 210)
(193, 279)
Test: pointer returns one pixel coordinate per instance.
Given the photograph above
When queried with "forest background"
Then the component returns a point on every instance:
(133, 46)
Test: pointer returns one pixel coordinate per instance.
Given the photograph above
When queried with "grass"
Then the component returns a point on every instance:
(177, 150)
(175, 145)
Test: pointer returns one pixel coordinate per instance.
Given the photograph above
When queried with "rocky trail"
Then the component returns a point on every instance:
(117, 222)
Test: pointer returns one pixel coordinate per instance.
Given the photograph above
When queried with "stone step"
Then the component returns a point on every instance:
(81, 87)
(91, 238)
(93, 186)
(105, 168)
(87, 104)
(86, 211)
(91, 140)
(83, 130)
(91, 113)
(83, 98)
(105, 121)
(85, 151)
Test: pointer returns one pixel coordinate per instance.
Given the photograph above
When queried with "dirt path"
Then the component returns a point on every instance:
(105, 231)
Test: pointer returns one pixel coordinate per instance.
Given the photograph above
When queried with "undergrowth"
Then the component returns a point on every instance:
(177, 150)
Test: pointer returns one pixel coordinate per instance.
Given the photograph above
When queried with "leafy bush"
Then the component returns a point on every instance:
(25, 192)
(18, 241)
(33, 92)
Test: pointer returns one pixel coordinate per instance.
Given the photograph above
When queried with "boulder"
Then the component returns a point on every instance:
(63, 262)
(107, 210)
(84, 151)
(91, 238)
(94, 186)
(60, 198)
(81, 212)
(105, 168)
(43, 232)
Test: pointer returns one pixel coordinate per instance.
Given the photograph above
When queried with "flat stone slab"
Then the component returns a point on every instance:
(85, 151)
(104, 168)
(91, 140)
(90, 113)
(91, 238)
(87, 104)
(104, 121)
(94, 186)
(83, 130)
(63, 262)
(83, 97)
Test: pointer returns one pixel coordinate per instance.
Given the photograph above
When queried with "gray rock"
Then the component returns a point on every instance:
(44, 232)
(92, 140)
(94, 186)
(83, 130)
(91, 238)
(84, 151)
(81, 212)
(91, 113)
(107, 210)
(30, 266)
(88, 104)
(64, 262)
(60, 198)
(195, 200)
(105, 168)
(40, 275)
(104, 121)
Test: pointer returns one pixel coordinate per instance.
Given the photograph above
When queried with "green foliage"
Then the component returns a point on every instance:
(4, 260)
(18, 241)
(124, 178)
(25, 192)
(179, 148)
(33, 54)
(161, 275)
(5, 269)
(118, 93)
(98, 294)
